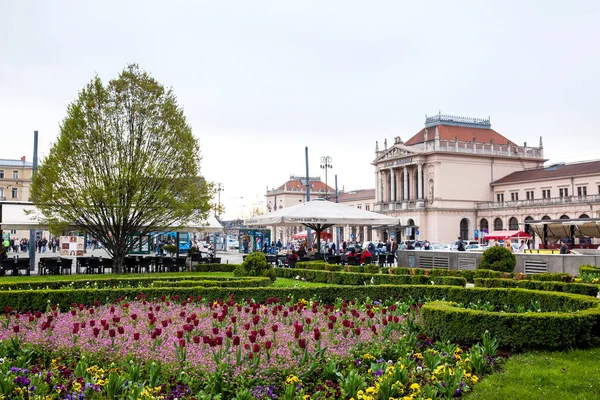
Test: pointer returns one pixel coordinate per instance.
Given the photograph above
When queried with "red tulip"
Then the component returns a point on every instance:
(357, 331)
(196, 339)
(274, 328)
(133, 316)
(302, 343)
(116, 319)
(233, 319)
(16, 328)
(330, 325)
(256, 348)
(121, 330)
(164, 323)
(262, 332)
(179, 334)
(96, 332)
(112, 333)
(236, 340)
(215, 330)
(181, 342)
(136, 336)
(268, 345)
(252, 338)
(317, 334)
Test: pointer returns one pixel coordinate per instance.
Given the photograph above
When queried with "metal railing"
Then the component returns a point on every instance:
(552, 201)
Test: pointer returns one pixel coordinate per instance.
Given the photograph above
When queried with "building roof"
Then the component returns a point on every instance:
(551, 171)
(363, 194)
(15, 163)
(300, 184)
(464, 133)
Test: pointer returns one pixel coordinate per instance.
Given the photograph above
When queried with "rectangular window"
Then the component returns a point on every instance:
(359, 207)
(14, 193)
(1, 193)
(546, 193)
(367, 207)
(2, 176)
(582, 191)
(529, 194)
(514, 196)
(500, 197)
(564, 192)
(15, 174)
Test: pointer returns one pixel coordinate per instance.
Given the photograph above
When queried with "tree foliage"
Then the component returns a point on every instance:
(125, 162)
(255, 264)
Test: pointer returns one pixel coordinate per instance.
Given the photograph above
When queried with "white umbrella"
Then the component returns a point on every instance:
(320, 214)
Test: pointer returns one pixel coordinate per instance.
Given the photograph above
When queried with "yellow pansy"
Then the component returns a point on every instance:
(474, 379)
(415, 387)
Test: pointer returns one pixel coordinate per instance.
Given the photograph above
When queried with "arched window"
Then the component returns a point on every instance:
(513, 224)
(483, 225)
(464, 229)
(584, 216)
(545, 218)
(564, 216)
(498, 224)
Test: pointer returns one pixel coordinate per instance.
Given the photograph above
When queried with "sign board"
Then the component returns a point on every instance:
(352, 236)
(476, 234)
(71, 246)
(417, 232)
(485, 230)
(409, 231)
(393, 235)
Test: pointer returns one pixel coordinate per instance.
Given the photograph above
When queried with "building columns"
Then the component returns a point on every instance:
(392, 185)
(405, 189)
(420, 202)
(380, 186)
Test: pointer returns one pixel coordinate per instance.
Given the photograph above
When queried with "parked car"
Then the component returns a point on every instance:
(440, 247)
(454, 245)
(476, 247)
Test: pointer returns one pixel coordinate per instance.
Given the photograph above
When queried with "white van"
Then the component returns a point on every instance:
(454, 245)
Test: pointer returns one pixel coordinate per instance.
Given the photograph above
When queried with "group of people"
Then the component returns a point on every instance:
(42, 245)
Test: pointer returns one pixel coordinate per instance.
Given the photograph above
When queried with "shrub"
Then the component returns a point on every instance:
(372, 269)
(213, 267)
(170, 248)
(498, 258)
(255, 264)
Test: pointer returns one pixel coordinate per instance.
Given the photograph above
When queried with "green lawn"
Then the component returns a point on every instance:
(291, 283)
(545, 376)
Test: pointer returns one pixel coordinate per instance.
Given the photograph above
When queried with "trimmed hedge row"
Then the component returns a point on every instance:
(214, 267)
(520, 331)
(576, 288)
(590, 270)
(352, 279)
(230, 283)
(552, 301)
(135, 281)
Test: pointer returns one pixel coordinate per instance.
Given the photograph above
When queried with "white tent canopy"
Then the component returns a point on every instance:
(211, 225)
(321, 212)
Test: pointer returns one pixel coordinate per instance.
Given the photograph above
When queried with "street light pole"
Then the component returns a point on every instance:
(219, 189)
(326, 164)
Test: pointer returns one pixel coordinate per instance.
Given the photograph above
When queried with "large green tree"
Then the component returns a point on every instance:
(125, 162)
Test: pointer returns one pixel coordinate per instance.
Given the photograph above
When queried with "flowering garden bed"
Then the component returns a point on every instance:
(188, 348)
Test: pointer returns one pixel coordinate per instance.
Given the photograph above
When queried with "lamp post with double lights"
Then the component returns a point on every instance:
(326, 164)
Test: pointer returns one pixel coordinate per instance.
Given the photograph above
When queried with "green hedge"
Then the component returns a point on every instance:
(576, 288)
(229, 283)
(99, 282)
(553, 277)
(351, 278)
(589, 270)
(545, 330)
(214, 267)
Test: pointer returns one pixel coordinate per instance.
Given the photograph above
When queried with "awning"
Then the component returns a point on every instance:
(20, 217)
(501, 235)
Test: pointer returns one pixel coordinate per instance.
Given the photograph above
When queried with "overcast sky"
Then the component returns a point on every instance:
(260, 80)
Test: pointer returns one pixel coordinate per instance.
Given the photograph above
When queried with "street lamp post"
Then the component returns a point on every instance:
(219, 189)
(326, 164)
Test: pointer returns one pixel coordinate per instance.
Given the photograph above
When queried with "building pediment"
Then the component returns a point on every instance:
(395, 152)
